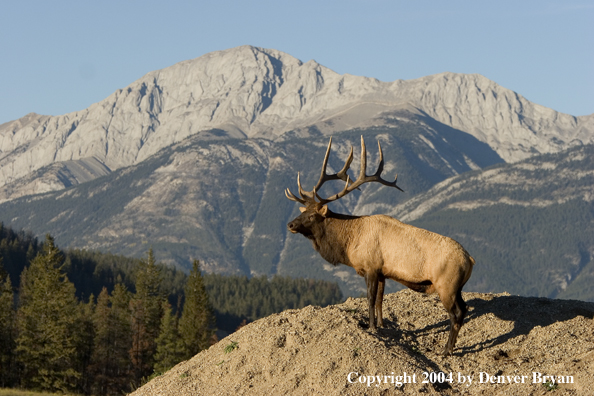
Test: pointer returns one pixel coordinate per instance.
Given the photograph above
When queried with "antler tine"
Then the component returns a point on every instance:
(363, 178)
(342, 174)
(380, 169)
(362, 174)
(292, 197)
(304, 194)
(324, 177)
(308, 197)
(305, 198)
(324, 165)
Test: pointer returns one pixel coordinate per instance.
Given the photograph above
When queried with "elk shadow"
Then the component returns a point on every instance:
(392, 335)
(525, 313)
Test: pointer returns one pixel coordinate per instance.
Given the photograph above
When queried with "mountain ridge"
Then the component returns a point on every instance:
(249, 92)
(566, 174)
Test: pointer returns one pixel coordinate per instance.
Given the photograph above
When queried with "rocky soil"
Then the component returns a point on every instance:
(506, 347)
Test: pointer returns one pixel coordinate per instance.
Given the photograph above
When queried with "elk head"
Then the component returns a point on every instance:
(315, 208)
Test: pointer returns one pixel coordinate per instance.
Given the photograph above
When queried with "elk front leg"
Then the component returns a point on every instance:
(379, 300)
(372, 280)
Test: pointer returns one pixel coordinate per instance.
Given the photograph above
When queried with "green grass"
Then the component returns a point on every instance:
(231, 347)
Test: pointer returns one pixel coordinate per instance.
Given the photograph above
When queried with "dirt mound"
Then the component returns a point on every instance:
(508, 344)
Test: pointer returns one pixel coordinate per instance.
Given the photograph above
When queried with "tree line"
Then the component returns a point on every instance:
(239, 299)
(53, 341)
(94, 323)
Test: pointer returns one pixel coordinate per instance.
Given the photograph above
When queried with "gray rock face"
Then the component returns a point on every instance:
(251, 92)
(54, 177)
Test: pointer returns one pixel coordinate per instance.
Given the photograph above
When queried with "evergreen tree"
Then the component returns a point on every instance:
(47, 323)
(86, 340)
(120, 366)
(3, 273)
(101, 359)
(170, 346)
(146, 316)
(110, 362)
(7, 315)
(141, 349)
(197, 322)
(17, 249)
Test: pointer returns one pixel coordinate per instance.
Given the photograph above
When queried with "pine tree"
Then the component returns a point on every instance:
(47, 323)
(141, 350)
(7, 316)
(170, 346)
(86, 342)
(196, 325)
(101, 359)
(146, 316)
(3, 272)
(122, 328)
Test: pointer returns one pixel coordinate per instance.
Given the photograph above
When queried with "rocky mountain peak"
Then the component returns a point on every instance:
(249, 92)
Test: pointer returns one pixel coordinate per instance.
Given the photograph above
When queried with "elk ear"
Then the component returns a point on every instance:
(302, 209)
(323, 210)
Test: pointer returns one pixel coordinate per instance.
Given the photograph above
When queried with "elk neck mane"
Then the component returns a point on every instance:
(334, 235)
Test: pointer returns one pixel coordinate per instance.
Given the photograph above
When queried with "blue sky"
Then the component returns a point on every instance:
(61, 56)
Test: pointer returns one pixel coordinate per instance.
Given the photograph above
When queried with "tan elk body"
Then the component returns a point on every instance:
(380, 247)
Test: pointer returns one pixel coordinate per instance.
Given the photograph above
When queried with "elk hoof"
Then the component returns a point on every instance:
(447, 352)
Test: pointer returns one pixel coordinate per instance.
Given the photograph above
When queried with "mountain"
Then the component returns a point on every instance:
(222, 201)
(528, 224)
(249, 92)
(193, 160)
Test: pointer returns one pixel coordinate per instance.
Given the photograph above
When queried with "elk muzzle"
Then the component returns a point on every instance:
(293, 226)
(303, 223)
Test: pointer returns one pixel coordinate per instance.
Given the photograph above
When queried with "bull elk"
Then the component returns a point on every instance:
(380, 247)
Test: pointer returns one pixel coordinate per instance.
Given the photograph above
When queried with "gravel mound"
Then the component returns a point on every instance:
(507, 346)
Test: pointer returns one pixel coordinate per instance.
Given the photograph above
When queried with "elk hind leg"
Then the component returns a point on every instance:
(372, 280)
(456, 308)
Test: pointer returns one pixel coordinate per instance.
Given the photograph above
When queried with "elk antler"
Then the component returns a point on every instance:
(309, 197)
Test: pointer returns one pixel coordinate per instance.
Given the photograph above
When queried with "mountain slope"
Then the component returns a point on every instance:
(222, 201)
(253, 92)
(539, 181)
(529, 224)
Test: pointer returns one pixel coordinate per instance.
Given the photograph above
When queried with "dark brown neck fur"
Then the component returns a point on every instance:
(331, 237)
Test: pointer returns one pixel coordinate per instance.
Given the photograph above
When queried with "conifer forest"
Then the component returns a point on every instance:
(91, 323)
